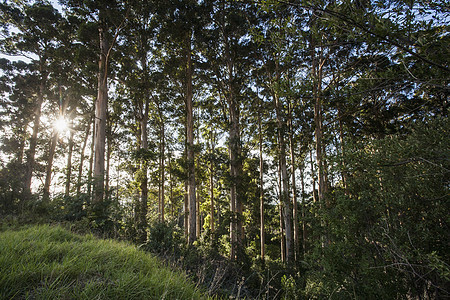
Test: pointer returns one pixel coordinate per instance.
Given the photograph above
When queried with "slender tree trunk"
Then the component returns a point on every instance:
(162, 169)
(236, 226)
(171, 186)
(49, 168)
(101, 106)
(198, 216)
(294, 188)
(317, 65)
(284, 192)
(186, 209)
(21, 148)
(69, 163)
(144, 179)
(313, 176)
(91, 162)
(80, 167)
(261, 189)
(190, 146)
(108, 159)
(304, 236)
(31, 153)
(341, 140)
(211, 181)
(282, 236)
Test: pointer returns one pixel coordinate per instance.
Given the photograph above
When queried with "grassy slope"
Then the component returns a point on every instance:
(44, 262)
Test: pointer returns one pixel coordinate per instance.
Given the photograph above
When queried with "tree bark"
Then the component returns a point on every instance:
(261, 189)
(304, 233)
(91, 163)
(317, 66)
(341, 140)
(284, 192)
(190, 146)
(69, 163)
(211, 181)
(282, 237)
(101, 106)
(48, 176)
(294, 187)
(162, 169)
(144, 167)
(31, 153)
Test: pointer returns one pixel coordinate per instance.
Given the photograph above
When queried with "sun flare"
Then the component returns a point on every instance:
(61, 125)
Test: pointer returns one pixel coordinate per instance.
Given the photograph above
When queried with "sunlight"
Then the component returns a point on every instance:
(61, 125)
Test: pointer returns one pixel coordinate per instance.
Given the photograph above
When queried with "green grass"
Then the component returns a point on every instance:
(45, 262)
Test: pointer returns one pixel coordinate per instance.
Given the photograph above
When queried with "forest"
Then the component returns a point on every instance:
(270, 149)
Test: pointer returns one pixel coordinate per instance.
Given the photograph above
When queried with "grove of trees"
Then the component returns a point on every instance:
(306, 142)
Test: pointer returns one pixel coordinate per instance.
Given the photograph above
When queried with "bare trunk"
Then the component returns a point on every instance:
(341, 140)
(69, 163)
(294, 188)
(261, 189)
(162, 169)
(313, 176)
(171, 187)
(48, 176)
(317, 65)
(198, 216)
(190, 147)
(282, 238)
(31, 153)
(236, 226)
(101, 105)
(108, 162)
(284, 192)
(211, 182)
(144, 179)
(303, 213)
(91, 162)
(186, 209)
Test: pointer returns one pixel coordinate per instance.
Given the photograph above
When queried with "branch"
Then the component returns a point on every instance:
(351, 21)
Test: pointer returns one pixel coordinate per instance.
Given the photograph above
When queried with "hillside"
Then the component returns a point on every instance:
(46, 262)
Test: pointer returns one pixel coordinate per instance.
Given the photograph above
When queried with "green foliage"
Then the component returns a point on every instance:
(164, 239)
(387, 238)
(43, 262)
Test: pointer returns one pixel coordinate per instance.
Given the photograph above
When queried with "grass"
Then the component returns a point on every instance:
(49, 262)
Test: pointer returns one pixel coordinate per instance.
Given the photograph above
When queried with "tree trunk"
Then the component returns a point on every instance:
(162, 168)
(69, 162)
(171, 186)
(304, 236)
(261, 189)
(108, 156)
(48, 176)
(91, 162)
(186, 209)
(313, 176)
(190, 146)
(284, 192)
(198, 216)
(282, 237)
(101, 106)
(144, 179)
(294, 187)
(317, 65)
(236, 226)
(341, 140)
(211, 181)
(31, 153)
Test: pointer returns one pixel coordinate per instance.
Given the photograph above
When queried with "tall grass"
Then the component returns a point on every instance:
(44, 262)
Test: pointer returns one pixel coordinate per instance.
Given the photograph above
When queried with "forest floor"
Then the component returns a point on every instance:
(50, 262)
